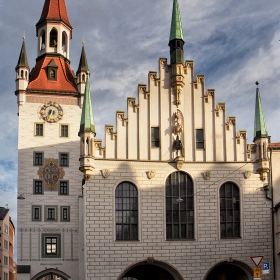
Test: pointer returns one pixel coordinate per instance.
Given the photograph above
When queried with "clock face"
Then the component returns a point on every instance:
(51, 112)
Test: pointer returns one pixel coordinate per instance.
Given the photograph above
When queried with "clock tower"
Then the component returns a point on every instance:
(50, 100)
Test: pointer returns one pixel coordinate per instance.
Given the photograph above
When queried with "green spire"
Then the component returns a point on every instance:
(176, 31)
(83, 65)
(87, 123)
(259, 127)
(22, 60)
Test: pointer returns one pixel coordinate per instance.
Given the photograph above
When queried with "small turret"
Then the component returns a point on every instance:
(22, 74)
(261, 138)
(81, 74)
(87, 134)
(176, 44)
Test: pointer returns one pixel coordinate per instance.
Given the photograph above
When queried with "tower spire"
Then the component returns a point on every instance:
(176, 38)
(22, 60)
(259, 125)
(87, 123)
(87, 134)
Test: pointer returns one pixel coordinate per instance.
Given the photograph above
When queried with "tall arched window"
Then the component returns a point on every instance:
(53, 38)
(43, 40)
(179, 206)
(229, 210)
(126, 212)
(64, 41)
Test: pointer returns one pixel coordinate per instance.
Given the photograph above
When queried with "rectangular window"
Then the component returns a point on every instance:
(64, 131)
(6, 244)
(63, 187)
(39, 129)
(38, 158)
(63, 159)
(5, 276)
(51, 245)
(36, 213)
(38, 187)
(199, 139)
(155, 137)
(65, 214)
(5, 260)
(6, 230)
(51, 213)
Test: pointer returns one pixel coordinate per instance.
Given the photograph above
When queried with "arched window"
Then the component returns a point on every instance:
(53, 38)
(229, 210)
(126, 212)
(64, 41)
(179, 206)
(43, 40)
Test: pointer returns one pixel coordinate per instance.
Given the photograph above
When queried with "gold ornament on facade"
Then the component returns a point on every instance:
(207, 175)
(105, 173)
(151, 174)
(51, 112)
(51, 173)
(178, 129)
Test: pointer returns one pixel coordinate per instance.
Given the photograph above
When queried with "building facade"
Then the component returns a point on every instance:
(174, 193)
(7, 234)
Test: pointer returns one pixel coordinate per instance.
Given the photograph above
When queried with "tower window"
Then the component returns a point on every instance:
(65, 214)
(64, 130)
(51, 245)
(64, 41)
(43, 40)
(155, 137)
(63, 159)
(53, 38)
(51, 213)
(39, 129)
(63, 187)
(38, 158)
(36, 213)
(52, 71)
(199, 139)
(38, 187)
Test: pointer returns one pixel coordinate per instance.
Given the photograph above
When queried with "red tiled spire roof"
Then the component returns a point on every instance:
(54, 10)
(64, 83)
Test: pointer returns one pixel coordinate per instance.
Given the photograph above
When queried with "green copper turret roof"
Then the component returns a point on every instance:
(83, 65)
(176, 31)
(22, 60)
(87, 123)
(259, 127)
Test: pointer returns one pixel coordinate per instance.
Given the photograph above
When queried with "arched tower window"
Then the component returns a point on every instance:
(53, 38)
(43, 40)
(64, 41)
(83, 78)
(229, 210)
(126, 212)
(179, 206)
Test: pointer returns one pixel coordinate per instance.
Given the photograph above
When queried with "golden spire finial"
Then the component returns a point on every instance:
(83, 42)
(23, 36)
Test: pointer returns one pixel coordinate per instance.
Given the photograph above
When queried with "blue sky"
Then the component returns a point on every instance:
(233, 43)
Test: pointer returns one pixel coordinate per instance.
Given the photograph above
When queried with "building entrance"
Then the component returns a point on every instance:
(51, 274)
(229, 271)
(150, 270)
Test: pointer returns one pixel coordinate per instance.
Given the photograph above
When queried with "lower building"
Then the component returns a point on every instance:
(7, 234)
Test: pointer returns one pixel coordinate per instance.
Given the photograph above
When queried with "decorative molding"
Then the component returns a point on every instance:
(178, 116)
(179, 162)
(131, 101)
(207, 175)
(105, 173)
(200, 79)
(153, 75)
(151, 174)
(51, 173)
(74, 230)
(163, 62)
(247, 174)
(142, 89)
(120, 115)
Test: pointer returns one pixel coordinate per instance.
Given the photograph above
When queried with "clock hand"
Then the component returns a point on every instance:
(50, 117)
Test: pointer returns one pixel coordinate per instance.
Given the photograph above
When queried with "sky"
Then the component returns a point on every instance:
(233, 43)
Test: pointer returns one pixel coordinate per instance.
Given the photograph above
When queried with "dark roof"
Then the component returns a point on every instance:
(3, 212)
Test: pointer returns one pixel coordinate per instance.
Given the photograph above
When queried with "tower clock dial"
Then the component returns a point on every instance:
(51, 112)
